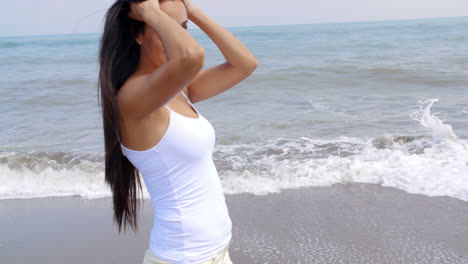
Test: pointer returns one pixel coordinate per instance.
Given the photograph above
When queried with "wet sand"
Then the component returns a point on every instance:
(344, 223)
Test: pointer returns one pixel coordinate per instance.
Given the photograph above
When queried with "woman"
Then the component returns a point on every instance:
(150, 76)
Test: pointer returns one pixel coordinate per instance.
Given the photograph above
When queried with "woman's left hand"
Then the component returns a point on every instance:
(189, 6)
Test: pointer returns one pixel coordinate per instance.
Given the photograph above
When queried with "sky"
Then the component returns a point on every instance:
(50, 17)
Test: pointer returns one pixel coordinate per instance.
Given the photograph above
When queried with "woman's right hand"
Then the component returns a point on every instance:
(141, 9)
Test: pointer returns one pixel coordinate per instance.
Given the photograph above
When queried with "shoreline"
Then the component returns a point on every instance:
(342, 223)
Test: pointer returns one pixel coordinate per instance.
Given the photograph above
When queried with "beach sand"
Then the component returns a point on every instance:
(343, 223)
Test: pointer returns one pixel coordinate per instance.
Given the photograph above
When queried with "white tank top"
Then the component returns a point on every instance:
(191, 219)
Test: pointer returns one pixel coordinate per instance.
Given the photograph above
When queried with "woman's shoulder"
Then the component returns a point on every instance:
(131, 82)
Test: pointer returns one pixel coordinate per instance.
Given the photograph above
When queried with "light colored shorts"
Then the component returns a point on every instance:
(221, 258)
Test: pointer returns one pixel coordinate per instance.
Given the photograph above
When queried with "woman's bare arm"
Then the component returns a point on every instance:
(240, 62)
(185, 58)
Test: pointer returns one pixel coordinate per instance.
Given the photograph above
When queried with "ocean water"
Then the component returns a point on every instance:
(376, 102)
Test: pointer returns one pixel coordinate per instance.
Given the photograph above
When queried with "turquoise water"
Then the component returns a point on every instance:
(381, 102)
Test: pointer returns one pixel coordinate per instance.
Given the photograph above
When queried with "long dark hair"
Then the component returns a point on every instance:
(118, 58)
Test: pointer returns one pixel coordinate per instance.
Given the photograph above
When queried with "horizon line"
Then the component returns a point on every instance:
(227, 27)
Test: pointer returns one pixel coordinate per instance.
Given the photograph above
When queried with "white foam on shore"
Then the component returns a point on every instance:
(439, 169)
